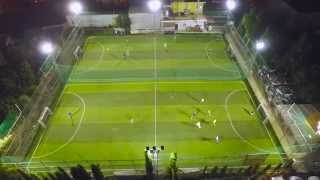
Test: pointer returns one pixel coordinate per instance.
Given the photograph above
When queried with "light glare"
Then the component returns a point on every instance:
(46, 48)
(75, 7)
(260, 45)
(231, 5)
(154, 5)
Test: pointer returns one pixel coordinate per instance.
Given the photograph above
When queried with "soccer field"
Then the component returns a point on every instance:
(180, 91)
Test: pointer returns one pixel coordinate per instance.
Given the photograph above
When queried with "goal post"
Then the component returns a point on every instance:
(77, 53)
(44, 117)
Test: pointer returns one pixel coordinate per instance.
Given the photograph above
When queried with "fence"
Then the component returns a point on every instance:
(290, 124)
(7, 123)
(25, 130)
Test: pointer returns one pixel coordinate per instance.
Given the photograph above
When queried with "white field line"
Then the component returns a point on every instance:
(74, 134)
(212, 61)
(272, 141)
(146, 82)
(233, 127)
(300, 132)
(38, 144)
(155, 88)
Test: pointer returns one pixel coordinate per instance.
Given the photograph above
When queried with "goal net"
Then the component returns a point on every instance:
(43, 119)
(77, 53)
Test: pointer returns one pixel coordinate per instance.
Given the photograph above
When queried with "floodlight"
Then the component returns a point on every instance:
(75, 7)
(231, 5)
(46, 47)
(154, 5)
(260, 45)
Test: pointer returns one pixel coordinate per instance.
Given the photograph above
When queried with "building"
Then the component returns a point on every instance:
(184, 25)
(181, 8)
(143, 20)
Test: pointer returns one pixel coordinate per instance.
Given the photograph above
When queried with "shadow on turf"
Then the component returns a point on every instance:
(205, 139)
(184, 112)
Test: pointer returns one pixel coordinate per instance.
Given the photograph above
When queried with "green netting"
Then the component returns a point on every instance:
(7, 124)
(49, 62)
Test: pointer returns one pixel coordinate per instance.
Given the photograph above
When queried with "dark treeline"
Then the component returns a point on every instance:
(20, 34)
(18, 72)
(294, 43)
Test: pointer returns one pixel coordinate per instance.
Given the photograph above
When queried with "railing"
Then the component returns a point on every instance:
(296, 134)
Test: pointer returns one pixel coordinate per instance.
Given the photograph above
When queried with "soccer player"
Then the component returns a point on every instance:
(194, 114)
(124, 55)
(318, 128)
(131, 120)
(165, 45)
(69, 114)
(198, 124)
(214, 122)
(217, 139)
(209, 113)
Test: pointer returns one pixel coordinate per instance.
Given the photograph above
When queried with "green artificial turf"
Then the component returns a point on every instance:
(120, 106)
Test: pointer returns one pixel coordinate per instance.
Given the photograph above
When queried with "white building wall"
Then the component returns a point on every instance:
(140, 22)
(145, 22)
(91, 20)
(185, 24)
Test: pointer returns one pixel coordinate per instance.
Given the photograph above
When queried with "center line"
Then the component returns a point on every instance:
(155, 88)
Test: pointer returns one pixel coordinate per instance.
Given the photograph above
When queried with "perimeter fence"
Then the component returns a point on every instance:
(55, 71)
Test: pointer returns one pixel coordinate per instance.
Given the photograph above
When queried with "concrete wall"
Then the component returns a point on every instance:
(183, 25)
(140, 22)
(91, 20)
(145, 22)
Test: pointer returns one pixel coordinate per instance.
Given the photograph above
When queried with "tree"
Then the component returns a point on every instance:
(61, 174)
(123, 21)
(12, 174)
(96, 172)
(80, 173)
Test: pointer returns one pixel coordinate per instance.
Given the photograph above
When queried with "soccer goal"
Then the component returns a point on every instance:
(77, 53)
(42, 121)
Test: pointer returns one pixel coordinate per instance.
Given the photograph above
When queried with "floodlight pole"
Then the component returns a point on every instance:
(231, 6)
(76, 9)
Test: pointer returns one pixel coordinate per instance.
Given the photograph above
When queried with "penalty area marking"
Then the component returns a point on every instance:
(212, 61)
(233, 127)
(96, 64)
(73, 135)
(273, 143)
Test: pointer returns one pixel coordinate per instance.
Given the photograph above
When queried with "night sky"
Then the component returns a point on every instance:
(30, 15)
